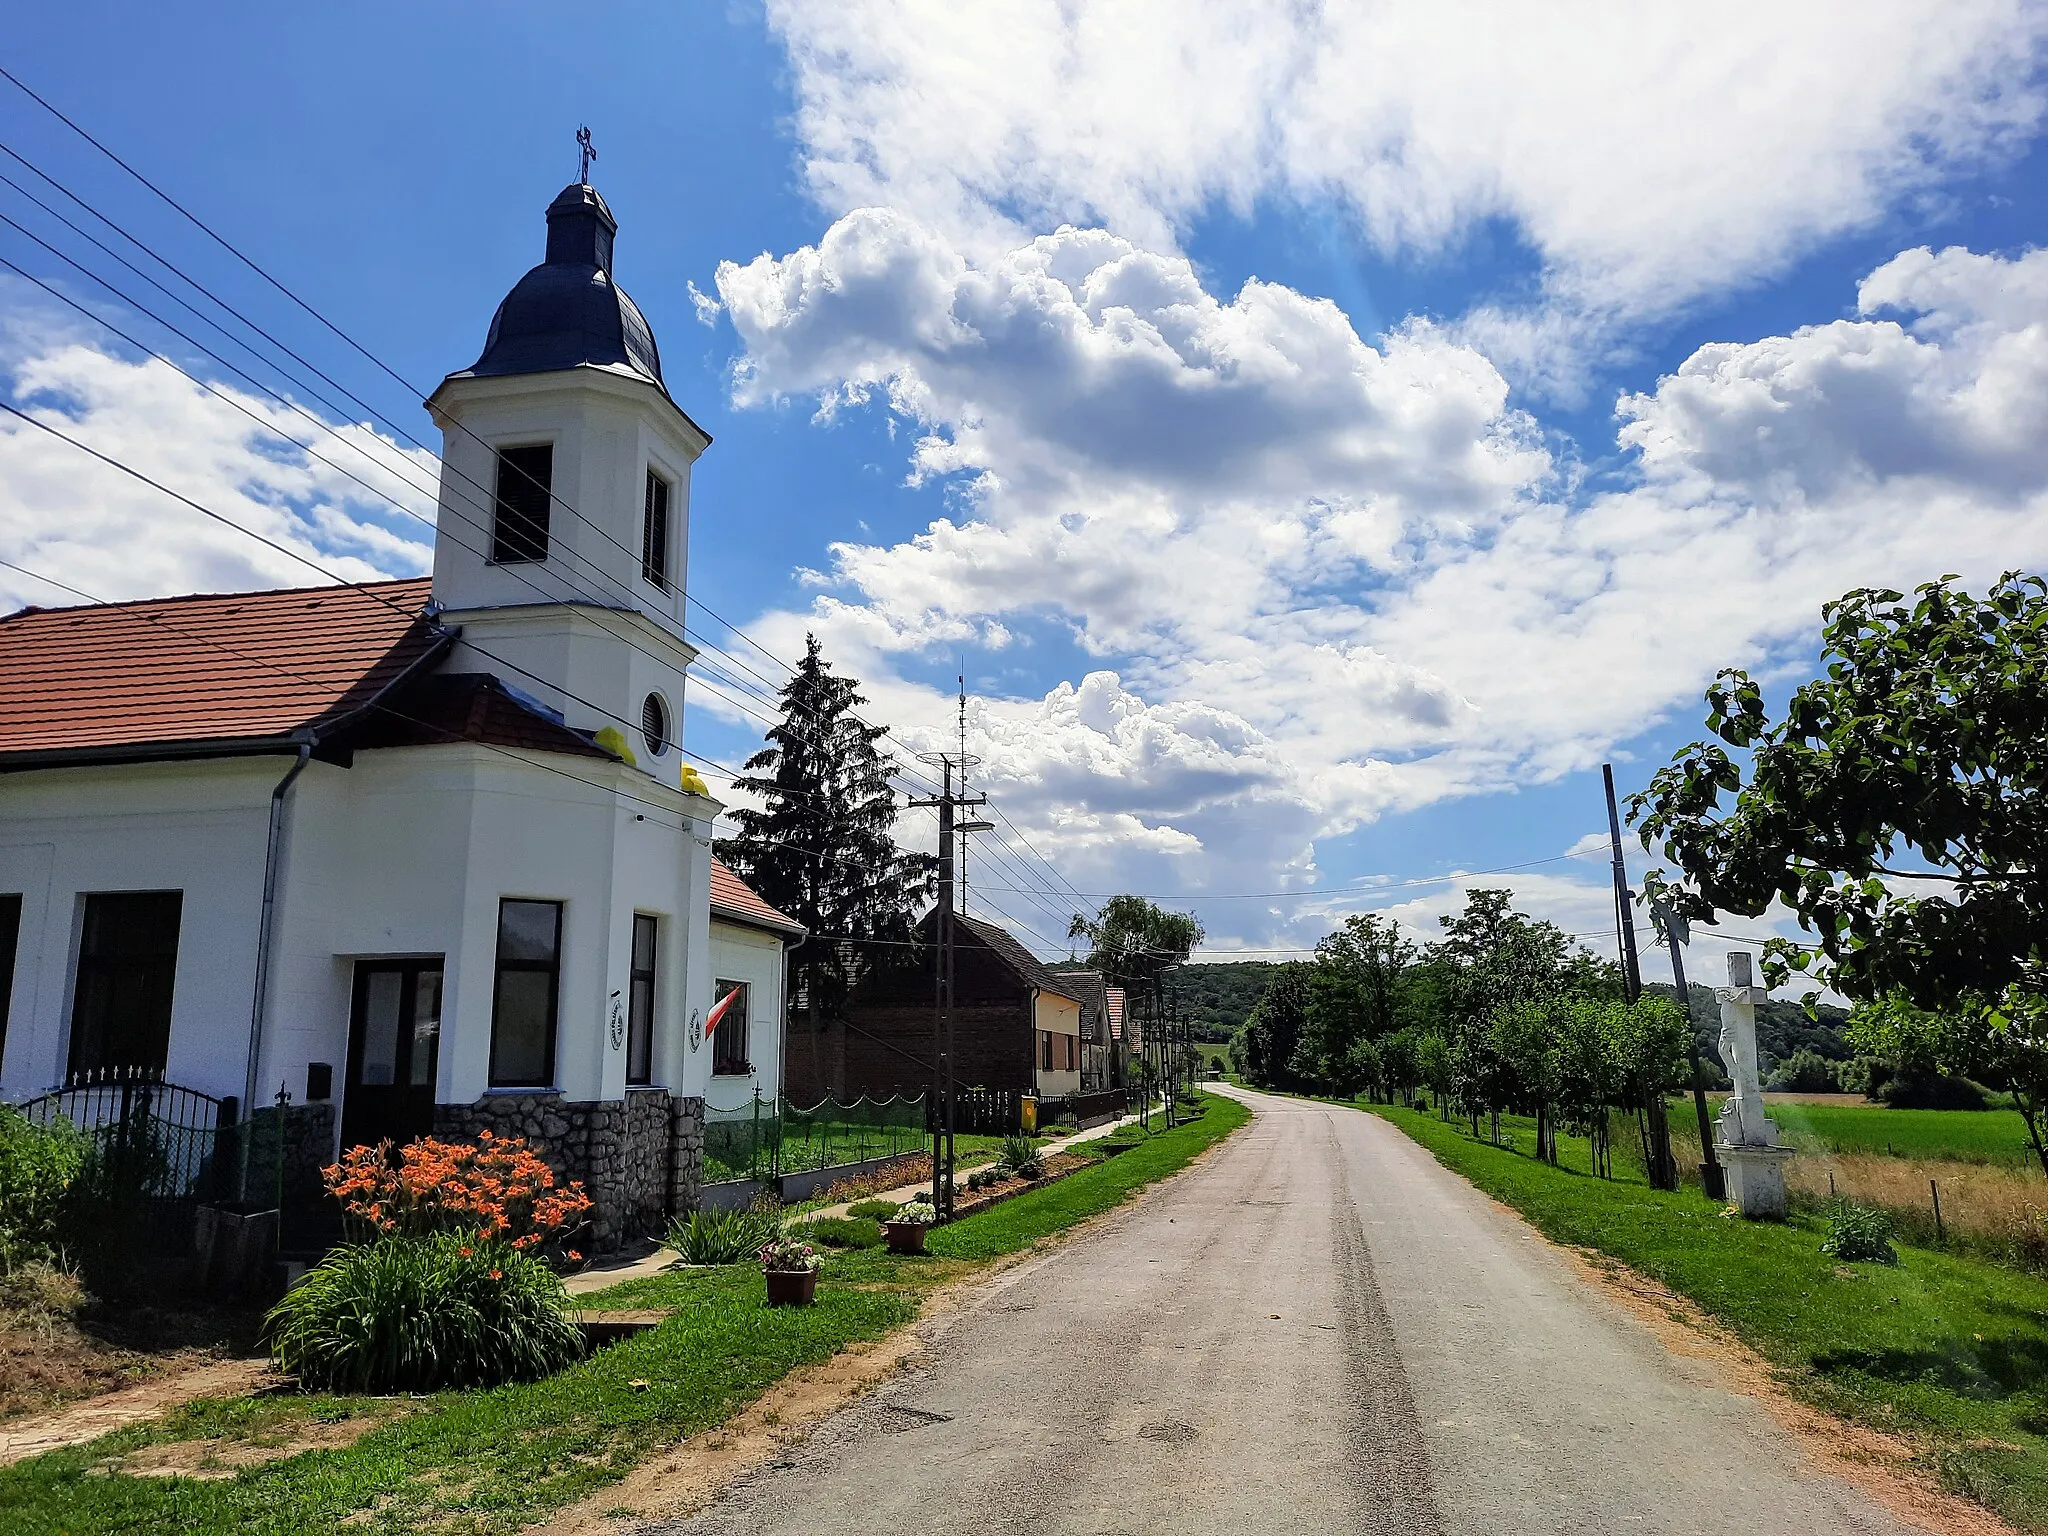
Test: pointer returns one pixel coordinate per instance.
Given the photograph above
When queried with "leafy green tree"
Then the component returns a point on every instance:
(1500, 961)
(1501, 958)
(820, 845)
(1646, 1042)
(1434, 1067)
(1135, 942)
(1588, 1076)
(1263, 1051)
(1527, 1041)
(1354, 999)
(1918, 1041)
(1364, 1071)
(1399, 1069)
(1804, 1072)
(1898, 806)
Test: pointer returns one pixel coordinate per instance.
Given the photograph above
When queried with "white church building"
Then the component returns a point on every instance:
(423, 854)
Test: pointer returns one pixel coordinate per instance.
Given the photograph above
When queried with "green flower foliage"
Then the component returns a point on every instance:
(723, 1237)
(423, 1314)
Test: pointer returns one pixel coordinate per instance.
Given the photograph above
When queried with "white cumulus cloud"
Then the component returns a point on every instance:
(1645, 154)
(1326, 579)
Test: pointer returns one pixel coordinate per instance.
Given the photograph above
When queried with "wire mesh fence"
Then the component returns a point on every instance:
(764, 1138)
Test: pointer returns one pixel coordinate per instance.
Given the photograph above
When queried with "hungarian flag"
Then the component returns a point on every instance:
(719, 1011)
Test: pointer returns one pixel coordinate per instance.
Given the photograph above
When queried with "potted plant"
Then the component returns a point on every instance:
(907, 1228)
(790, 1266)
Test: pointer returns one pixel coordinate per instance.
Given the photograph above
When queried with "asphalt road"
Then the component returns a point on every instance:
(1318, 1328)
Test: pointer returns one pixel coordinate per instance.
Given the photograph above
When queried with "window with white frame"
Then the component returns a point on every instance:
(729, 1040)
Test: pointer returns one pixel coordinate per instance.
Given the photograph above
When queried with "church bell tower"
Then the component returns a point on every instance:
(563, 530)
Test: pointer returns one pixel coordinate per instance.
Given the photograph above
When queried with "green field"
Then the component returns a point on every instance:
(494, 1462)
(1949, 1351)
(1970, 1136)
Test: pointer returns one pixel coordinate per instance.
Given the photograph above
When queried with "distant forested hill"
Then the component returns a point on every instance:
(1782, 1028)
(1218, 994)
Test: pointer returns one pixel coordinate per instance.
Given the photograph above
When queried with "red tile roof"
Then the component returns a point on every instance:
(121, 679)
(733, 899)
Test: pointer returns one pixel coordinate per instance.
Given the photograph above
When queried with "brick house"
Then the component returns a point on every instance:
(1018, 1026)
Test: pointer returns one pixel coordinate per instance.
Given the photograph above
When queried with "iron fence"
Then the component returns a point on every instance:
(155, 1151)
(984, 1112)
(762, 1138)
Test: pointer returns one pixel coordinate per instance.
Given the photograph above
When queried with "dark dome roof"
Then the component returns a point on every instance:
(567, 311)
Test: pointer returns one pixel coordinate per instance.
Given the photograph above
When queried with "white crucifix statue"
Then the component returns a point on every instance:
(1746, 1139)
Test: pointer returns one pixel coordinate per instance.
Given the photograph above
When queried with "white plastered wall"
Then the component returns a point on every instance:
(1056, 1015)
(198, 827)
(740, 952)
(405, 854)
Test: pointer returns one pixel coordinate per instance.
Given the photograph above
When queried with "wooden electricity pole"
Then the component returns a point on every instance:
(1663, 1169)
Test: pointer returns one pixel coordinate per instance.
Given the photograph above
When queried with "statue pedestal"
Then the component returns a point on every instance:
(1756, 1179)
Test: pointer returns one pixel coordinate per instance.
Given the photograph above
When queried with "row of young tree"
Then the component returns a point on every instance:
(1502, 1014)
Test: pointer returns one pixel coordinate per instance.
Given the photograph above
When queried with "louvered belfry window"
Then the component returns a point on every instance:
(654, 533)
(519, 525)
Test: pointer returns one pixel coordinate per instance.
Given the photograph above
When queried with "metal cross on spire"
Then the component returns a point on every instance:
(587, 153)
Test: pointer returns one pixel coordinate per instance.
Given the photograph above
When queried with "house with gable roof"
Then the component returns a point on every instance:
(422, 855)
(1018, 1026)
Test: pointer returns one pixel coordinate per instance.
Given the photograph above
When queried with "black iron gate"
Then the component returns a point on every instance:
(155, 1151)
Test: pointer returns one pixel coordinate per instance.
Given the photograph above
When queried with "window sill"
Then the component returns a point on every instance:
(739, 1071)
(500, 1089)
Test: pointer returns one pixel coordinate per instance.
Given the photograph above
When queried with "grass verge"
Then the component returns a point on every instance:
(487, 1463)
(1948, 1351)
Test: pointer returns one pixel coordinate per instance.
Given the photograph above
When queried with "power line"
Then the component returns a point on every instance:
(363, 351)
(303, 304)
(378, 416)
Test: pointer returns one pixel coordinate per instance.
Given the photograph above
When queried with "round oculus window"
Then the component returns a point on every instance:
(654, 724)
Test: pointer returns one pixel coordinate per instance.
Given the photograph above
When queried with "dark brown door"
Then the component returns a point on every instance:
(394, 1045)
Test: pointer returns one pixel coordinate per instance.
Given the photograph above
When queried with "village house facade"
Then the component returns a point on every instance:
(1019, 1027)
(425, 855)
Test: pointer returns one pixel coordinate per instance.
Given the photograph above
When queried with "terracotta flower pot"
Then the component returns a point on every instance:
(791, 1287)
(905, 1236)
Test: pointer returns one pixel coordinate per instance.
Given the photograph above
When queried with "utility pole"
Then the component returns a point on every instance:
(1711, 1179)
(948, 801)
(1663, 1171)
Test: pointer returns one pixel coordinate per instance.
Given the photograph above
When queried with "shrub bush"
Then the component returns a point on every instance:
(845, 1231)
(1857, 1234)
(37, 1167)
(423, 1314)
(497, 1189)
(1805, 1071)
(723, 1237)
(873, 1210)
(1914, 1088)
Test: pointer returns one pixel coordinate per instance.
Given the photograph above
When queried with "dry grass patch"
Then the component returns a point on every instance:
(47, 1355)
(221, 1456)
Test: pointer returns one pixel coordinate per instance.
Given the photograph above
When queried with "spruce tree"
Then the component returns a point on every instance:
(819, 848)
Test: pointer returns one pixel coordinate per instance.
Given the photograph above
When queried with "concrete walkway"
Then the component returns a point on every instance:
(637, 1266)
(1317, 1328)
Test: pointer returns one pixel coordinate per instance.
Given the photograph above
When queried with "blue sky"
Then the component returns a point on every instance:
(1321, 435)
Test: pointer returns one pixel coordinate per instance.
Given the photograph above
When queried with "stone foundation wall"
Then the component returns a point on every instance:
(685, 1154)
(308, 1148)
(645, 1158)
(629, 1154)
